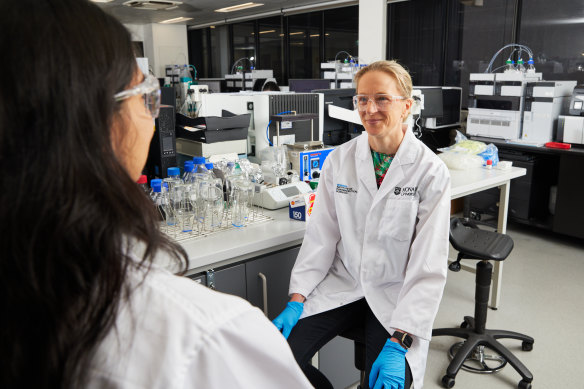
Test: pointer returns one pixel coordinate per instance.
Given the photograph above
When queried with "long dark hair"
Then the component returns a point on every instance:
(67, 205)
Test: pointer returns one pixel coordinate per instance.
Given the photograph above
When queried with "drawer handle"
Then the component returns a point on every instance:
(264, 292)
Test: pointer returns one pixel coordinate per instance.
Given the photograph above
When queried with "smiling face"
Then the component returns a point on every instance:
(383, 126)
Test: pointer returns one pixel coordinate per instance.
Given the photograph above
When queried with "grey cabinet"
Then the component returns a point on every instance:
(268, 278)
(230, 280)
(264, 281)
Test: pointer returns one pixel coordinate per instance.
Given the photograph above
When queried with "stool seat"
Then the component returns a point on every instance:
(474, 243)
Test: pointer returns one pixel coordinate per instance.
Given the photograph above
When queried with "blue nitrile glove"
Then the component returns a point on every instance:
(288, 318)
(389, 369)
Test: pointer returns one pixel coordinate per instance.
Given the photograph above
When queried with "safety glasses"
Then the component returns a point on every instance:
(150, 89)
(382, 101)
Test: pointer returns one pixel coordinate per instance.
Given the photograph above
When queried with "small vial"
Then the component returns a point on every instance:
(489, 164)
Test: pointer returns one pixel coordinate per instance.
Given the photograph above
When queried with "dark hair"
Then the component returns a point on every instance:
(271, 86)
(68, 207)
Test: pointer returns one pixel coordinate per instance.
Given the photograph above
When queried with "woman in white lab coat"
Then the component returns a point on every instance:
(83, 303)
(375, 250)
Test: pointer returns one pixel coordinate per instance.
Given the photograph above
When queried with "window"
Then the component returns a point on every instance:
(341, 31)
(553, 31)
(304, 31)
(271, 46)
(243, 43)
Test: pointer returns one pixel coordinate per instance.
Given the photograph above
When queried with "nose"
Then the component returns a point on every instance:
(371, 106)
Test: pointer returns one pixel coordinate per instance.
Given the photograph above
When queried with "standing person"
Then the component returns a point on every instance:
(375, 251)
(83, 303)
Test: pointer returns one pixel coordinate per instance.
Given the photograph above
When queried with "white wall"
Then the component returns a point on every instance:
(169, 46)
(372, 30)
(164, 44)
(137, 31)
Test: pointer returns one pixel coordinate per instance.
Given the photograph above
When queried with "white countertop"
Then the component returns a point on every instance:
(465, 182)
(235, 245)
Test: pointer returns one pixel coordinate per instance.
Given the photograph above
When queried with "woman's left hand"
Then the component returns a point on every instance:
(389, 369)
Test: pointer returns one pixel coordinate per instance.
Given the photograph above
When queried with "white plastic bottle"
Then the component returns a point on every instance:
(530, 66)
(520, 66)
(509, 66)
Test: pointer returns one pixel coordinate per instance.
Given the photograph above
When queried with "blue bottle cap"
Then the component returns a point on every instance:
(209, 166)
(530, 62)
(173, 171)
(189, 167)
(156, 186)
(199, 160)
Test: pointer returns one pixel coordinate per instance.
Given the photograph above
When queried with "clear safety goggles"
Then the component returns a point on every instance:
(382, 101)
(150, 91)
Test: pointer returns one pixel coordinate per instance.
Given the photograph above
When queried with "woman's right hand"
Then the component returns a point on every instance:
(289, 317)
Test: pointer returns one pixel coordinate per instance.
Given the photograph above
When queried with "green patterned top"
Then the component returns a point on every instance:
(381, 163)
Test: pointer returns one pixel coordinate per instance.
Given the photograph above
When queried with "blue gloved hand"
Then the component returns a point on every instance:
(389, 369)
(288, 318)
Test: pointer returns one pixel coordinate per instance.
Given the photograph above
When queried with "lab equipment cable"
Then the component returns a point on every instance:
(336, 55)
(270, 122)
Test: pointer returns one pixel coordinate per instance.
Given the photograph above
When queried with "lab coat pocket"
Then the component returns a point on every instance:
(399, 220)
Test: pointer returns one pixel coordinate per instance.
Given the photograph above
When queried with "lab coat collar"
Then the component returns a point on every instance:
(406, 155)
(365, 164)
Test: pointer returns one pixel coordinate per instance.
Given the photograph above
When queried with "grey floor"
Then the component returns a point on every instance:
(542, 296)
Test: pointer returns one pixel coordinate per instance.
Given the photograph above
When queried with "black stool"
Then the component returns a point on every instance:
(357, 335)
(473, 243)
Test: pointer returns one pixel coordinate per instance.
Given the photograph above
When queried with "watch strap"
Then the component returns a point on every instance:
(405, 339)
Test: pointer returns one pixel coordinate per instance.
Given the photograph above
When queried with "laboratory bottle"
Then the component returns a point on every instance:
(188, 172)
(157, 197)
(143, 183)
(520, 66)
(509, 66)
(530, 66)
(199, 165)
(209, 166)
(173, 178)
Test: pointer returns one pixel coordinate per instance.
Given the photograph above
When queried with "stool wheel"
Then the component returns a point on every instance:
(448, 382)
(526, 346)
(454, 266)
(524, 385)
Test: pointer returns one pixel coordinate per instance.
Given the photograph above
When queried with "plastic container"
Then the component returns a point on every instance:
(521, 66)
(530, 66)
(509, 67)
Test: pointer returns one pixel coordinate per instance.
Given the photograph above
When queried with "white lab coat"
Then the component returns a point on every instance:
(388, 245)
(178, 334)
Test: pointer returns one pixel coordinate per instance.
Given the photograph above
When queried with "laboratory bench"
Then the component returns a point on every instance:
(549, 196)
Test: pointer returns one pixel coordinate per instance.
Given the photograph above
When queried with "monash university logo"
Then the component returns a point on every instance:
(405, 191)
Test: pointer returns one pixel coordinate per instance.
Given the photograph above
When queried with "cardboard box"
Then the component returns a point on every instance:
(300, 207)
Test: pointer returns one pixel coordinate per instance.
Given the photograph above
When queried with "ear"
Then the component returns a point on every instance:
(407, 107)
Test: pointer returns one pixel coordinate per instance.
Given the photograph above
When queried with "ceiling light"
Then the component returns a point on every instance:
(175, 20)
(314, 35)
(296, 33)
(153, 5)
(239, 7)
(102, 1)
(267, 31)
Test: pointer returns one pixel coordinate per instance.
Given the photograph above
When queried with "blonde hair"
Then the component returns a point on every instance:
(394, 69)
